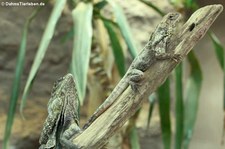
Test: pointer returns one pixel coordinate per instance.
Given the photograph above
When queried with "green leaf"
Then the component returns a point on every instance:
(151, 99)
(82, 17)
(133, 138)
(48, 33)
(179, 108)
(100, 4)
(218, 49)
(193, 91)
(150, 4)
(132, 132)
(124, 27)
(164, 110)
(17, 78)
(117, 49)
(191, 4)
(69, 35)
(220, 57)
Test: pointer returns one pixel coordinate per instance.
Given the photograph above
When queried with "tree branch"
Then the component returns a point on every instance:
(96, 135)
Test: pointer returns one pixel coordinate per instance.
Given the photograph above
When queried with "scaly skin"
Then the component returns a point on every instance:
(62, 121)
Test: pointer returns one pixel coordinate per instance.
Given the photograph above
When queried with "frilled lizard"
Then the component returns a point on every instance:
(62, 123)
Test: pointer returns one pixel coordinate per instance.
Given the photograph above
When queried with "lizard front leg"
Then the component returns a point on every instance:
(68, 144)
(68, 135)
(135, 76)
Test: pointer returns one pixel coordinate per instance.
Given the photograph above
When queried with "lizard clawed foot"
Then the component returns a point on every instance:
(135, 78)
(177, 57)
(67, 144)
(135, 86)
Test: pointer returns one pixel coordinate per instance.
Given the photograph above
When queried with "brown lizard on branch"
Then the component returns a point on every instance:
(155, 49)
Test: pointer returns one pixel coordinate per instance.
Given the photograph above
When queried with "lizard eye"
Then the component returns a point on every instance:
(172, 17)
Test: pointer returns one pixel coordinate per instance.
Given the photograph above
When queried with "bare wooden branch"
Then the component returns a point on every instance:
(96, 135)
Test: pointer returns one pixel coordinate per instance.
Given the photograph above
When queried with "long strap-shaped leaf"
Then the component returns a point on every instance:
(17, 79)
(48, 33)
(219, 49)
(164, 111)
(82, 17)
(124, 27)
(193, 92)
(179, 107)
(154, 7)
(116, 46)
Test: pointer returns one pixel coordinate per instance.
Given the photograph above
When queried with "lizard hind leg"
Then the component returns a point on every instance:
(68, 144)
(68, 135)
(135, 78)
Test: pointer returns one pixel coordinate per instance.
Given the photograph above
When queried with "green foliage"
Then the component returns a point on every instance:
(100, 5)
(133, 137)
(68, 36)
(117, 49)
(151, 5)
(164, 111)
(218, 49)
(82, 17)
(48, 33)
(220, 57)
(152, 100)
(191, 4)
(193, 91)
(16, 81)
(124, 28)
(179, 108)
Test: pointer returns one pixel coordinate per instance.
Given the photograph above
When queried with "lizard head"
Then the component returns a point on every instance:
(169, 24)
(64, 84)
(62, 110)
(165, 32)
(64, 98)
(167, 27)
(172, 19)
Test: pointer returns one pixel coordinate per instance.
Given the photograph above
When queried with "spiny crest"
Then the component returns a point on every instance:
(63, 82)
(57, 84)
